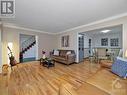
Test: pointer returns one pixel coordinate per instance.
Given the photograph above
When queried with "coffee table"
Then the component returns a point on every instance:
(47, 62)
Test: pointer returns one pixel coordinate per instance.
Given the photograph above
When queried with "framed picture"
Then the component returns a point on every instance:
(114, 42)
(65, 41)
(104, 42)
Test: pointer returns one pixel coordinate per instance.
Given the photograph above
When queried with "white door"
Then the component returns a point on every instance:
(81, 47)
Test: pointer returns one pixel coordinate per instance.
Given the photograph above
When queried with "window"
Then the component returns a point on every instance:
(114, 42)
(104, 42)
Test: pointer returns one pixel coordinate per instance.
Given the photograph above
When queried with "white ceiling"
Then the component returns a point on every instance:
(59, 15)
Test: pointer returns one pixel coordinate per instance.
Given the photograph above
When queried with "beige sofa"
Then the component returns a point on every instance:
(104, 82)
(63, 57)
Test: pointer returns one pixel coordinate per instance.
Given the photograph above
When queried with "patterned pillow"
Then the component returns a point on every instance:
(56, 52)
(120, 67)
(69, 52)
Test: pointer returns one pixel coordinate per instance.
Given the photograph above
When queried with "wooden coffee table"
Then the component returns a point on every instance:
(48, 62)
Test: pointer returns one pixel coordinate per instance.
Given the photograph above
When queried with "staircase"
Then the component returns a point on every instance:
(26, 45)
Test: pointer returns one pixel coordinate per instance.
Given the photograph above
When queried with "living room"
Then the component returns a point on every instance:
(63, 31)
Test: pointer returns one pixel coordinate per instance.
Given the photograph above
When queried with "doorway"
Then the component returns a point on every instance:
(103, 43)
(28, 48)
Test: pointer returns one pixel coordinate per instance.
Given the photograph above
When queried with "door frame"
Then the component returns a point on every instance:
(36, 38)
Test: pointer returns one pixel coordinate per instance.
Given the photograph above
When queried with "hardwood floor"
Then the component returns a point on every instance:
(33, 79)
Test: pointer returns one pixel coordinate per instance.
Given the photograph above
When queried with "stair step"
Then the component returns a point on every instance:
(27, 48)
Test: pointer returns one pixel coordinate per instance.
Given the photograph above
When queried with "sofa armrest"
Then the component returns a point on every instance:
(71, 57)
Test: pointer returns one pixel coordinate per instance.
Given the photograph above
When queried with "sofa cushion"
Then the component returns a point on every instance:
(59, 58)
(63, 53)
(69, 52)
(120, 67)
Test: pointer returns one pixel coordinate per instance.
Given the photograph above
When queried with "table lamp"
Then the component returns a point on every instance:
(126, 53)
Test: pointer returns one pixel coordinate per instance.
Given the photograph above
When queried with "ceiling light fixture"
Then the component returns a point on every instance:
(105, 31)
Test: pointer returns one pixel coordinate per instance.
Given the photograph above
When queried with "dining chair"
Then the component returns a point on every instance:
(101, 54)
(93, 57)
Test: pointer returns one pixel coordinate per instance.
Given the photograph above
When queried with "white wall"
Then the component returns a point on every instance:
(125, 36)
(86, 40)
(0, 50)
(97, 40)
(30, 53)
(73, 37)
(86, 45)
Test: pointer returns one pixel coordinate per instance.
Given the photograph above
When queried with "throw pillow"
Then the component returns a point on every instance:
(120, 67)
(56, 52)
(69, 52)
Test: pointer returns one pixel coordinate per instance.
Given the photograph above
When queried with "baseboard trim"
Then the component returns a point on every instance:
(29, 59)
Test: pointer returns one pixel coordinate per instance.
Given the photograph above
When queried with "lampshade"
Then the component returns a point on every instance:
(10, 45)
(126, 53)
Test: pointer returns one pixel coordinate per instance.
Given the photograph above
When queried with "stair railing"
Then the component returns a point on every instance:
(26, 43)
